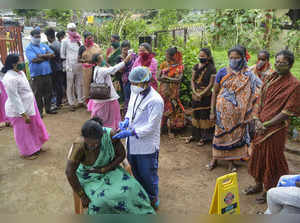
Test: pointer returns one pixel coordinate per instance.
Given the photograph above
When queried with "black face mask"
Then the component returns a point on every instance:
(203, 60)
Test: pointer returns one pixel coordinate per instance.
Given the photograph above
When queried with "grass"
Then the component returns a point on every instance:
(220, 57)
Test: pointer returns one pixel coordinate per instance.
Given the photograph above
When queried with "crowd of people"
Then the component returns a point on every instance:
(242, 110)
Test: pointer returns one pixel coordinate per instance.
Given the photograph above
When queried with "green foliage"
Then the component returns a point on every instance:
(27, 13)
(61, 16)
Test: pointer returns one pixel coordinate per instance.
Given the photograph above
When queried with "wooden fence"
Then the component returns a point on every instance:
(10, 42)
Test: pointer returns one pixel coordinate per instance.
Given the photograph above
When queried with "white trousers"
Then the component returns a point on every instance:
(75, 84)
(283, 200)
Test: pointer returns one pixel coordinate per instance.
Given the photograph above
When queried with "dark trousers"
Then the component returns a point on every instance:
(126, 92)
(144, 169)
(42, 89)
(58, 85)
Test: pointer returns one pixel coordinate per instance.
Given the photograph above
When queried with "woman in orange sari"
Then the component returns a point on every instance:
(171, 72)
(235, 93)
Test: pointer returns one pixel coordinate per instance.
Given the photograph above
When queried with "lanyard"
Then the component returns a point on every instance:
(135, 110)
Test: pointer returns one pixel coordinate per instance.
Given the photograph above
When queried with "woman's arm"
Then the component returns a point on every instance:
(208, 88)
(215, 93)
(193, 82)
(72, 177)
(12, 92)
(120, 155)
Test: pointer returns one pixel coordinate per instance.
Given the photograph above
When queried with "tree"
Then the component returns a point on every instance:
(61, 16)
(27, 13)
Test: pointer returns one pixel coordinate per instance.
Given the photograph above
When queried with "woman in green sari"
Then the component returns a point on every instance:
(94, 172)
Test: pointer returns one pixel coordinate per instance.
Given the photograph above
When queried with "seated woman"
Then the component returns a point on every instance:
(285, 198)
(94, 172)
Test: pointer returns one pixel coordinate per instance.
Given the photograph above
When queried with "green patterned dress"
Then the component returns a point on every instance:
(115, 192)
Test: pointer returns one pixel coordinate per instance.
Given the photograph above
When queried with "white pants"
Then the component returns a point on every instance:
(75, 84)
(283, 200)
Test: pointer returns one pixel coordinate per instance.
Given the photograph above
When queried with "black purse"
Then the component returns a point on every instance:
(100, 91)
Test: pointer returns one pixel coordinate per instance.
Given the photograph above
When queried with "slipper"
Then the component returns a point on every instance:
(156, 204)
(211, 166)
(201, 143)
(262, 199)
(32, 157)
(189, 139)
(252, 190)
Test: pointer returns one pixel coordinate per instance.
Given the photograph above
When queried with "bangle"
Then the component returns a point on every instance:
(81, 193)
(265, 124)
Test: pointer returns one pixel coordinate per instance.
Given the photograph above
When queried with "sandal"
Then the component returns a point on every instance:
(190, 139)
(32, 157)
(201, 143)
(252, 190)
(232, 167)
(212, 165)
(262, 199)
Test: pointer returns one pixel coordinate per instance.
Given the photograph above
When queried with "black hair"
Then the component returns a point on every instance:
(60, 34)
(244, 50)
(86, 34)
(265, 52)
(116, 37)
(35, 32)
(237, 50)
(208, 53)
(95, 57)
(125, 43)
(147, 46)
(171, 51)
(288, 55)
(50, 33)
(11, 59)
(92, 128)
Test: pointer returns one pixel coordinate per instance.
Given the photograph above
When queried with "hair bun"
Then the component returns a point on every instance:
(98, 120)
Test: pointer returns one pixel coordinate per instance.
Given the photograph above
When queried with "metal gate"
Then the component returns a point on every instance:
(10, 41)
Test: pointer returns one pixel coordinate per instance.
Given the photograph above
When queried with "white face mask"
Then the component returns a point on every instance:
(36, 41)
(136, 89)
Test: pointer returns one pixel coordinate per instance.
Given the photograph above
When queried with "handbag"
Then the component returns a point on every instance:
(100, 91)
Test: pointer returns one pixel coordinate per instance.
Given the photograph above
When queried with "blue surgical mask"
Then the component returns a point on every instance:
(236, 64)
(35, 41)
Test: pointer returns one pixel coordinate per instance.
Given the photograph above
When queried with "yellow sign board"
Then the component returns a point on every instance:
(226, 196)
(90, 19)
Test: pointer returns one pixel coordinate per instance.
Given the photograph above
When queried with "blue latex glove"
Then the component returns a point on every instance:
(290, 182)
(124, 125)
(124, 134)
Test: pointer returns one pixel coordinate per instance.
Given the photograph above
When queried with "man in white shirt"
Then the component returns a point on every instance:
(142, 130)
(69, 51)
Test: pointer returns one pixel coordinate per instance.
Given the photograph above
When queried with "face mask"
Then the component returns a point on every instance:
(282, 69)
(36, 41)
(20, 66)
(260, 65)
(115, 45)
(144, 55)
(89, 42)
(136, 89)
(236, 64)
(203, 60)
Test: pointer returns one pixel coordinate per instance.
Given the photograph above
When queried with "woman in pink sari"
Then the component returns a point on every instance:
(146, 59)
(21, 109)
(3, 98)
(108, 110)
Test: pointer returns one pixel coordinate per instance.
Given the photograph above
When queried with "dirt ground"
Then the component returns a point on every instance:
(40, 186)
